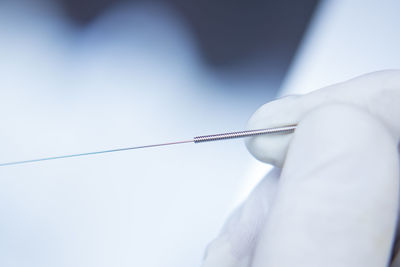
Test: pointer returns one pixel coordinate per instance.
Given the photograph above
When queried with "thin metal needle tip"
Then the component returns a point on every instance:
(92, 153)
(198, 139)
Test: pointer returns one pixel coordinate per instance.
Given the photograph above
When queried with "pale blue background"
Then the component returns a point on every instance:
(68, 91)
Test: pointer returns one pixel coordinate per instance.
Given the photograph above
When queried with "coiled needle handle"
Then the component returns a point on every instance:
(216, 137)
(198, 139)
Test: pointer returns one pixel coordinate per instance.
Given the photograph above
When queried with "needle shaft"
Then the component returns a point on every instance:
(92, 153)
(197, 139)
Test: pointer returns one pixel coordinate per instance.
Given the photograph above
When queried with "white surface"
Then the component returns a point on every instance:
(131, 78)
(346, 39)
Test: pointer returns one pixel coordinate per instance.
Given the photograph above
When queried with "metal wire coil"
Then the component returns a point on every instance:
(215, 137)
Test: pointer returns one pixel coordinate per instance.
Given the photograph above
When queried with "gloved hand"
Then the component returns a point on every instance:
(335, 200)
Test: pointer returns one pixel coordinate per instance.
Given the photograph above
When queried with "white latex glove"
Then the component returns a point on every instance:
(335, 202)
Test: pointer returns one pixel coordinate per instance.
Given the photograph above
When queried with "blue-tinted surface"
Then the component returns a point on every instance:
(133, 77)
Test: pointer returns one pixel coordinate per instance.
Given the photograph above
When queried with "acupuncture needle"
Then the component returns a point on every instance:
(198, 139)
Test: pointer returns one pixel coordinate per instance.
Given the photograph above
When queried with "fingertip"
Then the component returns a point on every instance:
(272, 148)
(269, 149)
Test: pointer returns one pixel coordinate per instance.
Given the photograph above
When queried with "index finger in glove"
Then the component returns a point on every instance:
(376, 93)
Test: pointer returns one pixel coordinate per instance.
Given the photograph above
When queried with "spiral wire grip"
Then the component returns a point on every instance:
(215, 137)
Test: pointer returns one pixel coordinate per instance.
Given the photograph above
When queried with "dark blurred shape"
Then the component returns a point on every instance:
(229, 32)
(83, 12)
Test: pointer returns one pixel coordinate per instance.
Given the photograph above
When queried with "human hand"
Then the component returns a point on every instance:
(335, 202)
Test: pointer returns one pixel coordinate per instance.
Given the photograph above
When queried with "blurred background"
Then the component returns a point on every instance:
(87, 75)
